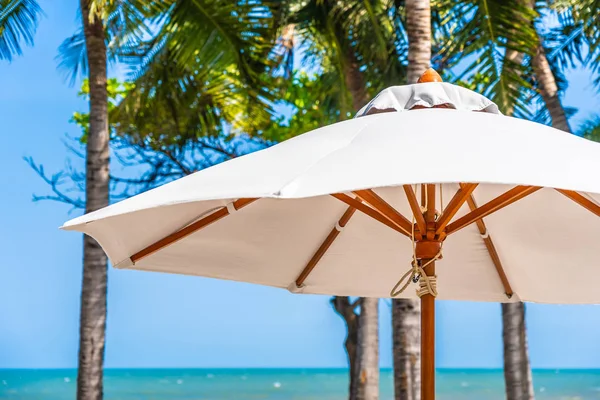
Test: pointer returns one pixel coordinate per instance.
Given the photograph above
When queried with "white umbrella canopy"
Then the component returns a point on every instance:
(429, 170)
(543, 242)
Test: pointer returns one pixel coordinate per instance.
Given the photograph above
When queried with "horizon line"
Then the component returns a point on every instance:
(289, 368)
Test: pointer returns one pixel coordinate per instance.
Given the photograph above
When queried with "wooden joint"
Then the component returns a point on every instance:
(428, 249)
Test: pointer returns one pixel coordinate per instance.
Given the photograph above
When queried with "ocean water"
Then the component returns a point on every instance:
(279, 384)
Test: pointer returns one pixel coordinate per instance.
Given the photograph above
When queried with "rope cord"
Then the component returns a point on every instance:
(427, 284)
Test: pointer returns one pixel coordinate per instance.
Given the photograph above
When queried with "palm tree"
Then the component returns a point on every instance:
(418, 30)
(18, 22)
(406, 326)
(120, 30)
(88, 51)
(93, 293)
(519, 383)
(517, 372)
(548, 89)
(406, 313)
(366, 380)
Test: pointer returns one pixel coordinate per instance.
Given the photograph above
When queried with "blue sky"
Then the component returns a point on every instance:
(175, 321)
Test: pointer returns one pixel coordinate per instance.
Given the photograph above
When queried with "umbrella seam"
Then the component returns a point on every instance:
(356, 134)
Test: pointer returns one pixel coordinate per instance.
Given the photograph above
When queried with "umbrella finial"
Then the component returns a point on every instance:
(430, 75)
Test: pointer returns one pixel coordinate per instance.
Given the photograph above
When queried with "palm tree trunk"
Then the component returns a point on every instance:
(515, 58)
(366, 380)
(517, 373)
(418, 30)
(406, 314)
(93, 294)
(355, 82)
(362, 340)
(407, 349)
(549, 90)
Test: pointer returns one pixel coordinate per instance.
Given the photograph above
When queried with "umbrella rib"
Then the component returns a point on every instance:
(188, 230)
(581, 200)
(430, 213)
(375, 201)
(325, 245)
(459, 198)
(415, 208)
(371, 212)
(505, 199)
(489, 244)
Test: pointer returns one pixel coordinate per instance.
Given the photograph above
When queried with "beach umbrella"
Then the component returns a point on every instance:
(368, 206)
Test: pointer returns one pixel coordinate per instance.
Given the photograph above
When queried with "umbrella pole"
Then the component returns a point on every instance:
(427, 250)
(428, 340)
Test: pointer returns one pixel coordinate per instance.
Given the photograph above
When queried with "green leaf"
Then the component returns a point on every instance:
(18, 22)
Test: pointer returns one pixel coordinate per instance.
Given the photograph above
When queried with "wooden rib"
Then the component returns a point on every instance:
(505, 199)
(430, 213)
(324, 246)
(371, 212)
(373, 199)
(489, 244)
(416, 208)
(188, 230)
(459, 198)
(581, 200)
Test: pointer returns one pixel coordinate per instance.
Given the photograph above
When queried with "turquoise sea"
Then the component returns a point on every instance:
(279, 384)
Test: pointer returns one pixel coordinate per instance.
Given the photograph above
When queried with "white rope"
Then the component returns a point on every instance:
(231, 208)
(427, 284)
(126, 263)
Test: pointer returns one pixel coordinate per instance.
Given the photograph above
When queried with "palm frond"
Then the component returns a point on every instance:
(483, 31)
(238, 32)
(72, 57)
(565, 44)
(591, 130)
(173, 104)
(127, 24)
(581, 18)
(337, 37)
(18, 22)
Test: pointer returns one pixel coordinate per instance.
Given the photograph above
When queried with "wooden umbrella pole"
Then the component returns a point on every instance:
(427, 250)
(428, 340)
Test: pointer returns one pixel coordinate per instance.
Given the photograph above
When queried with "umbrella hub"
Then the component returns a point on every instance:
(428, 249)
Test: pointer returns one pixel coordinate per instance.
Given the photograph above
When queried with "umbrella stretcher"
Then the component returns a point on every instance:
(510, 205)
